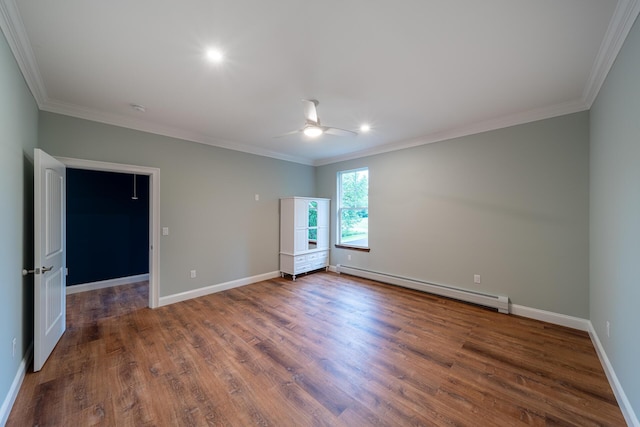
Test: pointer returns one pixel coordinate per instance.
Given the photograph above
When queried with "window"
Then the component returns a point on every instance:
(353, 208)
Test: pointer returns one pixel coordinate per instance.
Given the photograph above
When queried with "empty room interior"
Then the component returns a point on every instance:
(319, 213)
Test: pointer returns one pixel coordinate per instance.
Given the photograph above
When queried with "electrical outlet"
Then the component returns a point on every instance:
(165, 231)
(14, 345)
(257, 197)
(608, 329)
(476, 279)
(349, 257)
(193, 274)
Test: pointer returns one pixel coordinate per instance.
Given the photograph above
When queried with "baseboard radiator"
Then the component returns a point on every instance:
(499, 302)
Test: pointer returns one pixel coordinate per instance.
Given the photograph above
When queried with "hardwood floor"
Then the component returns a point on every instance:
(326, 350)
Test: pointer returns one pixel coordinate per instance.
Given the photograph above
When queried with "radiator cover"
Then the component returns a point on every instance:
(499, 302)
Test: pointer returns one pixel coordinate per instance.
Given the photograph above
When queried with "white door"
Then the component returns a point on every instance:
(49, 256)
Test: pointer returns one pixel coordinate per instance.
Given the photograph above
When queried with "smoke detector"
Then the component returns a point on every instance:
(138, 107)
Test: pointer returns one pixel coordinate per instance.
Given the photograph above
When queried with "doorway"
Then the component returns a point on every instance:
(107, 229)
(153, 175)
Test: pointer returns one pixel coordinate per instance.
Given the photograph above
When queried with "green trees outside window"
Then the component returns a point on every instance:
(353, 216)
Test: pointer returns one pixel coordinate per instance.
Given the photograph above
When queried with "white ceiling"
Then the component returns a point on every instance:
(418, 71)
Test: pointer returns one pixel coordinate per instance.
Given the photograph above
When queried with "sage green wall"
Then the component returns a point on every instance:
(206, 198)
(510, 205)
(615, 216)
(18, 138)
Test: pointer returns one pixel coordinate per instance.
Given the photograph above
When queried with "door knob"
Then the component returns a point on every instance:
(45, 269)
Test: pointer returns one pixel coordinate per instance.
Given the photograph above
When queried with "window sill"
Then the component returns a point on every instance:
(354, 248)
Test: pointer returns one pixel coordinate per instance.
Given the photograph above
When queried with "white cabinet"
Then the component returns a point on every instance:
(304, 235)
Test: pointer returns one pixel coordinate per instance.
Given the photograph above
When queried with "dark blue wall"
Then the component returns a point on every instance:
(107, 231)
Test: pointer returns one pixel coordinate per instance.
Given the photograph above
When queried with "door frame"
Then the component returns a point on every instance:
(154, 212)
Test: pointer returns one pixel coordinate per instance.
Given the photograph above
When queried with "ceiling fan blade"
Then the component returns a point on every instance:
(310, 112)
(293, 132)
(312, 127)
(340, 132)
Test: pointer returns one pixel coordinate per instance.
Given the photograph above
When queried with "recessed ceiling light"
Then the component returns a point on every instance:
(365, 128)
(215, 55)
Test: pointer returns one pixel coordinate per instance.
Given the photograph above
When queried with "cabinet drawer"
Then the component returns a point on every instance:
(298, 264)
(318, 264)
(301, 268)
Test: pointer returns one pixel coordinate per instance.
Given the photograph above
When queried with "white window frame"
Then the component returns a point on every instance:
(340, 208)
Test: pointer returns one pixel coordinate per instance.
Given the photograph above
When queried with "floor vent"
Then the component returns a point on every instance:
(499, 302)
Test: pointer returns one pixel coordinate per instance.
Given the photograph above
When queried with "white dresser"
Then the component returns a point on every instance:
(304, 235)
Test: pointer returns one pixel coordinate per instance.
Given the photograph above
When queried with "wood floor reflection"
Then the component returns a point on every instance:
(324, 350)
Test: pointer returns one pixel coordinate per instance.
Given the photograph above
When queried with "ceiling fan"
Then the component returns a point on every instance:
(312, 127)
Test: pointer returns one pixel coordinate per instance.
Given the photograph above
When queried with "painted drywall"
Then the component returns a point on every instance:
(207, 198)
(615, 216)
(18, 138)
(510, 205)
(107, 230)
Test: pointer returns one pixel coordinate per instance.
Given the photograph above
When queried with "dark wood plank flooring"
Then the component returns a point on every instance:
(326, 350)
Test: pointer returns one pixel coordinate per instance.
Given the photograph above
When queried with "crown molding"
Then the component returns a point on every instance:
(472, 129)
(11, 23)
(14, 31)
(16, 35)
(624, 16)
(159, 129)
(622, 20)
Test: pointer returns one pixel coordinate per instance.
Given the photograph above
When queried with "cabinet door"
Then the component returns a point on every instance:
(302, 213)
(323, 237)
(323, 224)
(323, 213)
(302, 240)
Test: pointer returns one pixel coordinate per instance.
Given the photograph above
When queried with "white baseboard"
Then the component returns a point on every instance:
(74, 289)
(183, 296)
(625, 406)
(585, 325)
(551, 317)
(10, 398)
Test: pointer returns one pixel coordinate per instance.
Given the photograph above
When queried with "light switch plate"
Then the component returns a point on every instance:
(165, 231)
